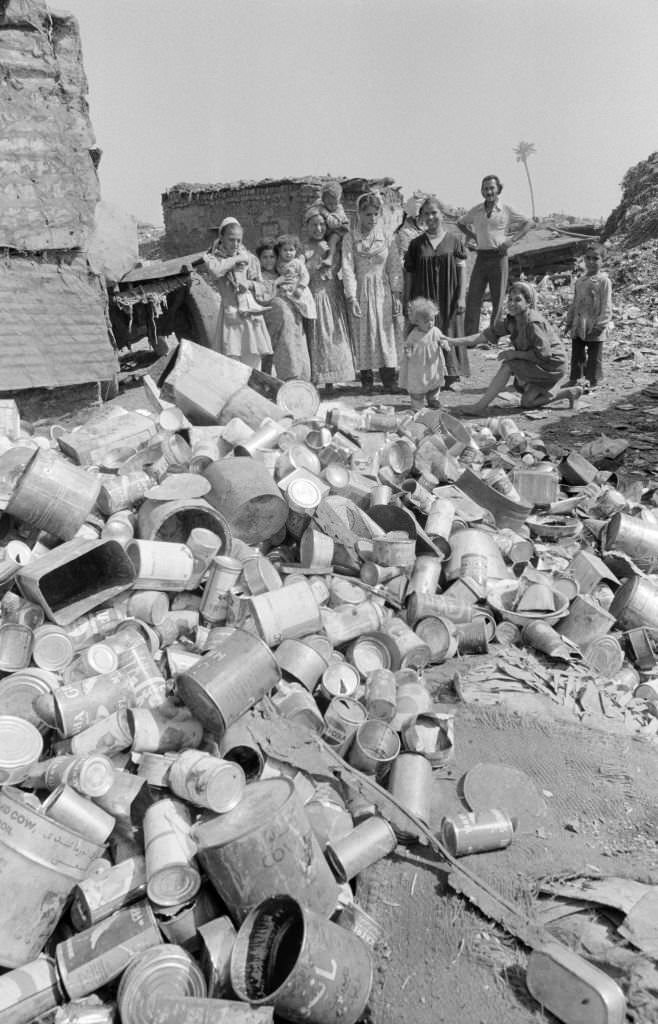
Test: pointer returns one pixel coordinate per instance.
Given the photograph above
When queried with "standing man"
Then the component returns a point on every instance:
(494, 227)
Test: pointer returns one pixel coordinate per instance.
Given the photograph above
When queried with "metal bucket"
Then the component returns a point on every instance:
(41, 862)
(229, 680)
(54, 495)
(247, 496)
(586, 622)
(439, 635)
(309, 969)
(636, 604)
(173, 521)
(265, 845)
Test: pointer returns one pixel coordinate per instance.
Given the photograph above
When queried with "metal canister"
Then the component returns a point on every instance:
(99, 954)
(635, 538)
(381, 695)
(265, 845)
(100, 894)
(76, 706)
(340, 679)
(367, 654)
(395, 548)
(635, 604)
(137, 667)
(286, 614)
(160, 565)
(370, 841)
(217, 941)
(472, 637)
(440, 636)
(207, 781)
(406, 647)
(90, 775)
(301, 662)
(171, 875)
(347, 621)
(121, 492)
(477, 833)
(421, 606)
(341, 720)
(106, 736)
(324, 952)
(229, 680)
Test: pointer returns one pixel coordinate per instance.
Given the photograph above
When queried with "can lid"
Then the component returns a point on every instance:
(368, 654)
(162, 970)
(173, 884)
(303, 495)
(52, 648)
(299, 398)
(21, 743)
(341, 679)
(101, 659)
(96, 775)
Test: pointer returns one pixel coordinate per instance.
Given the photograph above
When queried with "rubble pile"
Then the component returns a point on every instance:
(235, 629)
(636, 216)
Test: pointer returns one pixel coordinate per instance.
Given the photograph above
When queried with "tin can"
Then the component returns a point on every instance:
(425, 576)
(472, 637)
(586, 622)
(347, 621)
(418, 495)
(122, 492)
(432, 734)
(73, 810)
(224, 573)
(163, 729)
(440, 636)
(21, 745)
(341, 720)
(374, 748)
(382, 494)
(294, 702)
(160, 565)
(324, 951)
(287, 614)
(641, 650)
(340, 679)
(479, 832)
(301, 662)
(410, 782)
(15, 646)
(395, 548)
(371, 841)
(421, 606)
(207, 781)
(169, 850)
(137, 667)
(406, 648)
(21, 690)
(265, 845)
(77, 706)
(475, 567)
(106, 736)
(99, 954)
(217, 941)
(636, 603)
(605, 656)
(53, 495)
(90, 775)
(229, 680)
(316, 549)
(381, 695)
(99, 895)
(29, 991)
(374, 574)
(368, 654)
(160, 972)
(150, 606)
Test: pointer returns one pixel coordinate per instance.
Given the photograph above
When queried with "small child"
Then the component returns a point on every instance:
(588, 319)
(337, 221)
(293, 277)
(244, 296)
(422, 367)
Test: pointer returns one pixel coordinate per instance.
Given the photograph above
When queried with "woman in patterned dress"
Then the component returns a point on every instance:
(372, 278)
(331, 351)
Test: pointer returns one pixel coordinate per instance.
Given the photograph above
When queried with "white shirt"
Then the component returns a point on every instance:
(493, 228)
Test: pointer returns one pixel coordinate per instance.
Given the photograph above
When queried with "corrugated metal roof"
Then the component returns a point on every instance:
(53, 330)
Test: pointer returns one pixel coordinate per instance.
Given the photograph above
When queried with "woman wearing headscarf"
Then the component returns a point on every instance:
(435, 269)
(283, 319)
(535, 360)
(372, 279)
(234, 271)
(331, 351)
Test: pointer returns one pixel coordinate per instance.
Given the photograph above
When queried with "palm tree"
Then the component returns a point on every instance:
(523, 151)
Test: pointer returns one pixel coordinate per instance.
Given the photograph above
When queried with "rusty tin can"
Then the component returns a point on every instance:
(477, 832)
(341, 720)
(99, 895)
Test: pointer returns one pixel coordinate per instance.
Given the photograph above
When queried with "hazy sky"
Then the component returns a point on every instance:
(433, 93)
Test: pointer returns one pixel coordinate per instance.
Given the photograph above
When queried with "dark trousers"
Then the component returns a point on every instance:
(492, 269)
(586, 360)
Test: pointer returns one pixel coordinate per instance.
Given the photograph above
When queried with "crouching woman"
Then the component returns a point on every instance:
(536, 360)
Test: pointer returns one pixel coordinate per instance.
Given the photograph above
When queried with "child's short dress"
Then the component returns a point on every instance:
(296, 286)
(422, 366)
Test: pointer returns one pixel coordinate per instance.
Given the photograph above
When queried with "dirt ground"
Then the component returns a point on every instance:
(440, 960)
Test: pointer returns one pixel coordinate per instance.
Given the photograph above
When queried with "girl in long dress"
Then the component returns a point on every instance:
(331, 350)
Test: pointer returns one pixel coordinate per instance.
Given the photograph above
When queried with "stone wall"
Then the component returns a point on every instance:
(265, 209)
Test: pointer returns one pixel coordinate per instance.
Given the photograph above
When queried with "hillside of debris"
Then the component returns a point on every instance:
(635, 219)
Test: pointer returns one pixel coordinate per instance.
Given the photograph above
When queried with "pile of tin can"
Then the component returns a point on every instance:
(163, 584)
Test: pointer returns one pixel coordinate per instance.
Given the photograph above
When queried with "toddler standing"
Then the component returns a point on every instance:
(588, 319)
(422, 367)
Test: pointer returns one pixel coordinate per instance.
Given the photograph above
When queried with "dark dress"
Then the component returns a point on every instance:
(434, 275)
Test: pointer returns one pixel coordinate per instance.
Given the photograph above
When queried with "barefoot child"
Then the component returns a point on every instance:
(588, 318)
(422, 367)
(536, 361)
